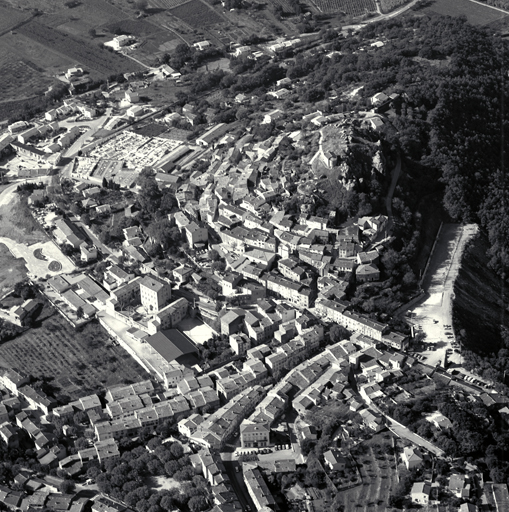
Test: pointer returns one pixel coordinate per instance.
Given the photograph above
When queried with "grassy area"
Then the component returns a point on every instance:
(13, 270)
(475, 13)
(196, 14)
(10, 18)
(379, 476)
(79, 362)
(162, 93)
(18, 224)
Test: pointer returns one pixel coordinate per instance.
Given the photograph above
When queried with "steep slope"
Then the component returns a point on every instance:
(480, 305)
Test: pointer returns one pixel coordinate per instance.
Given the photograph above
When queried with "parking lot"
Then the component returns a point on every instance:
(433, 315)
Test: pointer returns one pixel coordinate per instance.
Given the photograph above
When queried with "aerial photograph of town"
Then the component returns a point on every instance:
(254, 255)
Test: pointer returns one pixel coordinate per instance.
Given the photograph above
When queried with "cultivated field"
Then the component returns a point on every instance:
(390, 5)
(80, 19)
(196, 14)
(379, 476)
(165, 4)
(139, 28)
(92, 57)
(10, 18)
(17, 47)
(151, 36)
(13, 270)
(285, 5)
(19, 79)
(80, 362)
(476, 14)
(351, 7)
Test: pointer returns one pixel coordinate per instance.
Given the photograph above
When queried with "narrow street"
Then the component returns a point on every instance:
(238, 485)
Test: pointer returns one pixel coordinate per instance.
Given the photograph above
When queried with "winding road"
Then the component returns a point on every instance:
(388, 200)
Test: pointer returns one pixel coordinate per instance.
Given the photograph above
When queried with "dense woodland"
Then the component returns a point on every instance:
(477, 433)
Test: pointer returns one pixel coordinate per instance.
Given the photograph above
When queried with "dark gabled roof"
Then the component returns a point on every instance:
(26, 147)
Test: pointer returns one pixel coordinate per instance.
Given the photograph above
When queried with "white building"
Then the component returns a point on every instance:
(202, 45)
(120, 41)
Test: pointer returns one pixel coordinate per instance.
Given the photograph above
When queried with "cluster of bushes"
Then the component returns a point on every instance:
(476, 433)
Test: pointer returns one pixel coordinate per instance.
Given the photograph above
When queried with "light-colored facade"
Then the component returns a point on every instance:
(154, 294)
(195, 234)
(254, 435)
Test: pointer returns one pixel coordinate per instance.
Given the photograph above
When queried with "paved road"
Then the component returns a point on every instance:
(94, 126)
(405, 433)
(103, 248)
(238, 485)
(8, 193)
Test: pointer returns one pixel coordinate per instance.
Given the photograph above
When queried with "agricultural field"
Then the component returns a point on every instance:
(18, 47)
(138, 28)
(81, 362)
(10, 18)
(91, 57)
(390, 5)
(286, 6)
(82, 7)
(475, 13)
(196, 14)
(348, 7)
(165, 4)
(377, 466)
(151, 36)
(81, 19)
(20, 79)
(13, 270)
